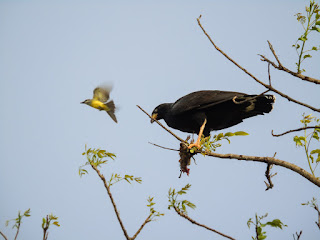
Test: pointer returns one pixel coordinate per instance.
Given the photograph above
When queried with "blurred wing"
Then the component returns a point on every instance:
(102, 93)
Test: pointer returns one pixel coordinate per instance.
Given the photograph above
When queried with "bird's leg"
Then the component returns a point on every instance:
(197, 143)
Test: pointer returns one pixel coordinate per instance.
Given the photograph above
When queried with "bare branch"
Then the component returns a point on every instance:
(4, 236)
(268, 86)
(298, 235)
(268, 160)
(200, 225)
(142, 225)
(164, 147)
(317, 209)
(274, 54)
(112, 201)
(18, 228)
(282, 68)
(180, 139)
(293, 130)
(269, 176)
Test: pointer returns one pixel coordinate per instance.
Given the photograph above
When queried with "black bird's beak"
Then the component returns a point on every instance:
(154, 116)
(83, 102)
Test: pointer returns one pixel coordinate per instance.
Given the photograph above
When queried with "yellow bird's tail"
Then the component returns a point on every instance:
(111, 108)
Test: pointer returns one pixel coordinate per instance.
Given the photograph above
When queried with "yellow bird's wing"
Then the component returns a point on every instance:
(102, 93)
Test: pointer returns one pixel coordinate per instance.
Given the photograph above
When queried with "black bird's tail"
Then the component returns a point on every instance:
(259, 104)
(111, 110)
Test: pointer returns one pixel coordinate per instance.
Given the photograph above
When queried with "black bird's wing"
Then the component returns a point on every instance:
(202, 100)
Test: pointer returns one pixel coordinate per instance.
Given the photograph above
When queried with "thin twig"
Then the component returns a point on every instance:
(269, 176)
(112, 201)
(293, 130)
(164, 147)
(274, 54)
(18, 228)
(45, 229)
(4, 236)
(282, 68)
(269, 75)
(142, 225)
(200, 225)
(268, 160)
(252, 76)
(180, 139)
(298, 235)
(317, 209)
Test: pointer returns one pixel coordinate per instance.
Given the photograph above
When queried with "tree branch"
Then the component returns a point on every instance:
(282, 68)
(298, 235)
(199, 224)
(268, 86)
(293, 130)
(269, 176)
(18, 228)
(268, 160)
(180, 139)
(143, 224)
(4, 236)
(112, 201)
(318, 211)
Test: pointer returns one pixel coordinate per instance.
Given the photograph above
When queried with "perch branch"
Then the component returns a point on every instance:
(180, 139)
(200, 225)
(293, 130)
(268, 86)
(268, 160)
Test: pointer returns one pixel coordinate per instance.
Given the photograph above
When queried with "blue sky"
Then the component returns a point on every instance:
(53, 54)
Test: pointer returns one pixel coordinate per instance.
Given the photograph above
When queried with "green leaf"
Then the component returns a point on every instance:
(276, 223)
(317, 23)
(56, 223)
(315, 151)
(303, 38)
(241, 133)
(220, 135)
(315, 28)
(229, 134)
(314, 48)
(307, 56)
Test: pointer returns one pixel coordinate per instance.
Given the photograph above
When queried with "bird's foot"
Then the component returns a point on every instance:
(197, 145)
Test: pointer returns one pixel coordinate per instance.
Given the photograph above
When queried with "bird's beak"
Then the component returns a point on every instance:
(83, 102)
(154, 116)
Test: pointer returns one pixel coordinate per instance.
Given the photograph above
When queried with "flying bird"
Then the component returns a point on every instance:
(204, 111)
(100, 101)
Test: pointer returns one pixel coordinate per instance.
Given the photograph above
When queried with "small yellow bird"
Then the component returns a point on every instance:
(99, 101)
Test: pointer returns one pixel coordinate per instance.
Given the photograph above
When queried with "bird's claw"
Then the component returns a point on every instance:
(197, 145)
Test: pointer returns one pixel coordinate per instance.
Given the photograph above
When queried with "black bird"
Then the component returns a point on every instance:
(204, 111)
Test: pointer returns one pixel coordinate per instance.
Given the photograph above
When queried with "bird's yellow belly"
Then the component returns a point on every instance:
(97, 104)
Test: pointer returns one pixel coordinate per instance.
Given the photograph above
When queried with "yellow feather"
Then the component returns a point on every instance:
(98, 105)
